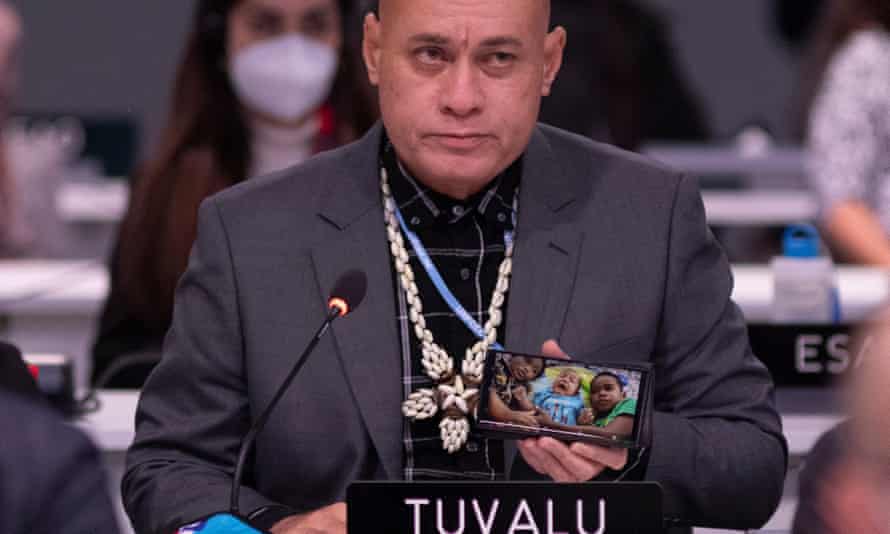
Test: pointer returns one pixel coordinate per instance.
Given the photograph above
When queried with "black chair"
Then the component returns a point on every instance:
(14, 374)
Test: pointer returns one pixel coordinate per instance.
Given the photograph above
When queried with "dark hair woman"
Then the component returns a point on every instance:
(849, 129)
(263, 85)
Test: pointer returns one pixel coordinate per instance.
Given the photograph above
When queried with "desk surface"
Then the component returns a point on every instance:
(112, 426)
(715, 159)
(106, 202)
(862, 291)
(52, 288)
(761, 207)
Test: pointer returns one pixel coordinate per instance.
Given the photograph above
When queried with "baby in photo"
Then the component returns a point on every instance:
(562, 403)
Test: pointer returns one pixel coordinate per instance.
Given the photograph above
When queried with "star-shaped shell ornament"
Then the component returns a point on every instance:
(455, 400)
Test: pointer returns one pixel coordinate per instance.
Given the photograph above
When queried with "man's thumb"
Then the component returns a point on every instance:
(551, 349)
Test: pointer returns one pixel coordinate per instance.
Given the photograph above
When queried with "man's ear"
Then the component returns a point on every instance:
(371, 48)
(554, 45)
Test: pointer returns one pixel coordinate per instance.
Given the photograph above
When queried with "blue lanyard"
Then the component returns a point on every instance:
(440, 284)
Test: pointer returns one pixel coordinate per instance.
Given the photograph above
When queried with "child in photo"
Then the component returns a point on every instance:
(562, 403)
(509, 399)
(610, 408)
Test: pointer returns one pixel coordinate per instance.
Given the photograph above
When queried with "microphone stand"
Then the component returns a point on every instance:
(260, 423)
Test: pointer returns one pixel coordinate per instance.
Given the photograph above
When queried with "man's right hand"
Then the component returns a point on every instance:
(328, 520)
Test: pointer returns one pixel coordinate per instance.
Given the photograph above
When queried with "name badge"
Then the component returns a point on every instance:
(504, 507)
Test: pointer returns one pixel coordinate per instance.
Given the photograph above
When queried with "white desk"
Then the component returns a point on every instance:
(862, 291)
(100, 202)
(52, 307)
(111, 428)
(106, 203)
(723, 160)
(760, 207)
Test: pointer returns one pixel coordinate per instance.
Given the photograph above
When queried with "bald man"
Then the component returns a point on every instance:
(545, 242)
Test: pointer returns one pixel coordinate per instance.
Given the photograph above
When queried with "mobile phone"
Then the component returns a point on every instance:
(526, 395)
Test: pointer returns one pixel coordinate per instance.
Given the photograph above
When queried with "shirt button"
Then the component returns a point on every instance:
(458, 211)
(465, 274)
(502, 217)
(415, 220)
(472, 446)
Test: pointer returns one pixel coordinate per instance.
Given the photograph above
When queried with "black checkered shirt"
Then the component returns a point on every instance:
(465, 240)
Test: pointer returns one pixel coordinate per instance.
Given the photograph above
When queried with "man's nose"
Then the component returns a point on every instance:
(462, 94)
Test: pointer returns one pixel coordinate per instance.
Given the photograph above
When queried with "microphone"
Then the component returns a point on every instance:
(348, 293)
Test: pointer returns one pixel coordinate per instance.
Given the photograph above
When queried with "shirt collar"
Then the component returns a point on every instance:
(422, 207)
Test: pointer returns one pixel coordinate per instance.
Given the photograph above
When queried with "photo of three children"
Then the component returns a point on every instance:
(566, 400)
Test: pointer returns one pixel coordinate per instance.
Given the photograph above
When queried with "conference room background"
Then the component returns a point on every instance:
(117, 60)
(97, 56)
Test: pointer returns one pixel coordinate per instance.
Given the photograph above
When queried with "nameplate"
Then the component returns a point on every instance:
(504, 508)
(809, 355)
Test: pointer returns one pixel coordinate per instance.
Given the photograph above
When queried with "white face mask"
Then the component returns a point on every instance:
(285, 77)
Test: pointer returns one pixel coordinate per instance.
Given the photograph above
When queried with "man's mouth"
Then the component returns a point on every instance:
(460, 141)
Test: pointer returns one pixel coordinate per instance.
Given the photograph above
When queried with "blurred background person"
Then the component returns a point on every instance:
(33, 161)
(10, 33)
(620, 81)
(845, 482)
(51, 475)
(849, 129)
(263, 85)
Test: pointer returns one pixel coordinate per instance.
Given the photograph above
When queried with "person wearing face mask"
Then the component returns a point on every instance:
(263, 85)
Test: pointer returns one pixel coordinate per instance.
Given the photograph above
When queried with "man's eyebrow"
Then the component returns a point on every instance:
(430, 38)
(502, 40)
(443, 40)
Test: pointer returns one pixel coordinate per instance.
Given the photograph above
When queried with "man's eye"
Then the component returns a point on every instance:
(501, 59)
(430, 55)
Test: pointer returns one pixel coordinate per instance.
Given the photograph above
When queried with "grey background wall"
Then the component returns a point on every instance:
(87, 56)
(94, 56)
(739, 66)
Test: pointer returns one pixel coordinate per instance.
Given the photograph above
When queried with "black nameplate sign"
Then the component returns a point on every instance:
(504, 508)
(808, 355)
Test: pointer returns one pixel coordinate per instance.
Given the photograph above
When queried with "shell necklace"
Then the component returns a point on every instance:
(455, 394)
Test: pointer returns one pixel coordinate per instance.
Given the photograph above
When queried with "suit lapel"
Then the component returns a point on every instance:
(366, 340)
(548, 248)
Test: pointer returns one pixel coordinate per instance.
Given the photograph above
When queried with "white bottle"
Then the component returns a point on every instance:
(803, 280)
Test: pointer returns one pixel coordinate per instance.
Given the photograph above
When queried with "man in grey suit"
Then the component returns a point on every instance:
(612, 258)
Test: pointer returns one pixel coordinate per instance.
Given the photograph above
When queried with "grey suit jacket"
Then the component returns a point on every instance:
(613, 259)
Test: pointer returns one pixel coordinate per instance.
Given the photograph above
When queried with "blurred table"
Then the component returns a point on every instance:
(52, 307)
(704, 160)
(103, 202)
(761, 207)
(111, 428)
(862, 290)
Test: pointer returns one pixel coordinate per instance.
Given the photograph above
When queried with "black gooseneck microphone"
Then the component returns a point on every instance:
(348, 293)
